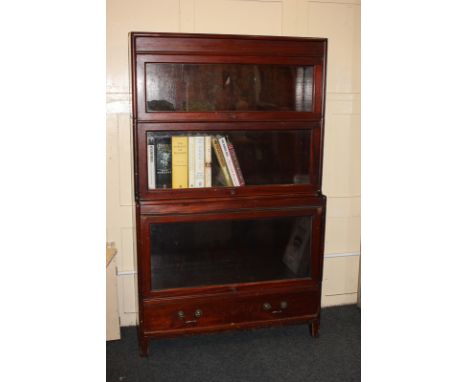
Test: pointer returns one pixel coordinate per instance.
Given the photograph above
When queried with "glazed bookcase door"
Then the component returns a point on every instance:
(197, 88)
(249, 248)
(225, 79)
(185, 87)
(270, 158)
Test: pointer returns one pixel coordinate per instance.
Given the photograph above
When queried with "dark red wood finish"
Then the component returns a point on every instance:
(162, 317)
(228, 306)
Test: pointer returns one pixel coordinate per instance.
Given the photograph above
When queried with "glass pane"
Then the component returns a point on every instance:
(234, 159)
(229, 251)
(228, 87)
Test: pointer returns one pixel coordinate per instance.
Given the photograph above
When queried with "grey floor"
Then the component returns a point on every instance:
(276, 354)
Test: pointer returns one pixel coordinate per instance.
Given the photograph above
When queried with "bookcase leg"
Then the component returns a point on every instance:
(314, 328)
(143, 346)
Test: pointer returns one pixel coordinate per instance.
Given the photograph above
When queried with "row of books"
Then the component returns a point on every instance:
(185, 161)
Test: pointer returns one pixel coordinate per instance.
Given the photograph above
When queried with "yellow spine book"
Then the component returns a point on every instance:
(179, 162)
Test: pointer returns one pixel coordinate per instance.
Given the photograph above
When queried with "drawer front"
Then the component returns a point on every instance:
(196, 314)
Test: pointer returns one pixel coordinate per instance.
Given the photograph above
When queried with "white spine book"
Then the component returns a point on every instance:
(208, 161)
(199, 161)
(151, 165)
(191, 162)
(229, 162)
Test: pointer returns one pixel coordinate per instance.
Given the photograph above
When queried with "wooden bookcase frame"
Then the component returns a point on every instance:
(159, 309)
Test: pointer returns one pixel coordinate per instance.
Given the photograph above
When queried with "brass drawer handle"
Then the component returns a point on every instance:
(198, 313)
(266, 306)
(283, 306)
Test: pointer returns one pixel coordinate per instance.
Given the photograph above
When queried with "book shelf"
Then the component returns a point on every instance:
(228, 146)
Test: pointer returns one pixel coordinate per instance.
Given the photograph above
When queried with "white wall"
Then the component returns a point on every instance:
(339, 21)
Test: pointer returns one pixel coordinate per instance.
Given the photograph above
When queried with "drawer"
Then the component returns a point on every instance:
(228, 310)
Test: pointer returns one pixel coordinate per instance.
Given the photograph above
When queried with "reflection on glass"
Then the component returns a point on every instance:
(216, 159)
(229, 251)
(228, 87)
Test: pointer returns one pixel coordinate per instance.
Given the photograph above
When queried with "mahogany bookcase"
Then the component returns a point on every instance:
(220, 258)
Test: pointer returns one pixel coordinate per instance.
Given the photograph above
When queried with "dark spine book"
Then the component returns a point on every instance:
(235, 162)
(163, 162)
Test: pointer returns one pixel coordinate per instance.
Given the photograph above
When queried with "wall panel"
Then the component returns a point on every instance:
(340, 23)
(124, 16)
(238, 17)
(342, 167)
(125, 160)
(347, 268)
